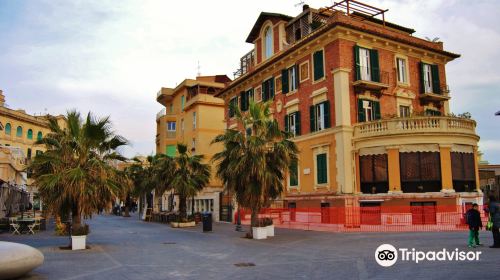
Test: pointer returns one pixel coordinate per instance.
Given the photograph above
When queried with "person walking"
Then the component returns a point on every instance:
(494, 210)
(474, 221)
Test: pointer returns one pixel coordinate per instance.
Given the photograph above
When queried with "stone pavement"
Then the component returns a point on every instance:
(127, 248)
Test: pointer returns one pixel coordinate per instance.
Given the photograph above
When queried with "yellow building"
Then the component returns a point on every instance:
(19, 133)
(193, 116)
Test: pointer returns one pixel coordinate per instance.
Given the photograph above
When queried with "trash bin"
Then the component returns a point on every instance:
(207, 221)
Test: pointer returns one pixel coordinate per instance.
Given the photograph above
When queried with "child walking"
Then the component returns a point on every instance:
(474, 221)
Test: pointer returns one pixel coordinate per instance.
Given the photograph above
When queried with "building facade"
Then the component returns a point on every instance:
(194, 116)
(368, 106)
(18, 137)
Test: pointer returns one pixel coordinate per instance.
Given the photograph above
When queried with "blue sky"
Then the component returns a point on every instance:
(111, 57)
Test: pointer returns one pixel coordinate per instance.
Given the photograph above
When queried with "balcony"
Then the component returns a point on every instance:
(367, 79)
(434, 95)
(162, 113)
(164, 95)
(415, 125)
(247, 63)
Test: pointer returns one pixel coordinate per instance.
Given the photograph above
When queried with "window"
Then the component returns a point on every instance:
(423, 213)
(432, 112)
(28, 153)
(292, 123)
(320, 116)
(233, 103)
(38, 152)
(182, 102)
(30, 134)
(420, 172)
(401, 68)
(429, 78)
(290, 79)
(39, 135)
(463, 172)
(182, 125)
(404, 111)
(368, 110)
(366, 64)
(321, 169)
(268, 89)
(7, 129)
(373, 173)
(268, 42)
(319, 71)
(19, 132)
(245, 97)
(170, 150)
(194, 120)
(171, 126)
(294, 174)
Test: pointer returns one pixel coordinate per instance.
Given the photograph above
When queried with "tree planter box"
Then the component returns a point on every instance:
(270, 230)
(182, 225)
(78, 242)
(259, 232)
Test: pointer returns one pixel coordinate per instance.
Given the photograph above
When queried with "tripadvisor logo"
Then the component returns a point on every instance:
(387, 255)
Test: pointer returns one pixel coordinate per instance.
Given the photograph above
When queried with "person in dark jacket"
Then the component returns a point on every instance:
(474, 221)
(494, 211)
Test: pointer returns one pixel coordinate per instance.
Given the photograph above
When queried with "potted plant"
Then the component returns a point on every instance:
(79, 238)
(269, 226)
(259, 231)
(180, 222)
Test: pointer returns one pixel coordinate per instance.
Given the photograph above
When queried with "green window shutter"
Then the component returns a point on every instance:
(296, 67)
(30, 134)
(422, 85)
(361, 111)
(321, 166)
(242, 101)
(375, 69)
(312, 118)
(436, 85)
(287, 128)
(294, 178)
(357, 65)
(19, 132)
(297, 123)
(7, 128)
(319, 72)
(284, 81)
(271, 88)
(170, 150)
(265, 92)
(182, 102)
(376, 110)
(326, 105)
(29, 153)
(39, 136)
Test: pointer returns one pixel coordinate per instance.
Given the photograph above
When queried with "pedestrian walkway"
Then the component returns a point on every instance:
(127, 248)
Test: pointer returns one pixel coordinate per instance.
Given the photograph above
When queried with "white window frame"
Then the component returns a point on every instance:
(320, 116)
(268, 41)
(368, 108)
(407, 114)
(364, 64)
(292, 124)
(402, 71)
(292, 77)
(298, 178)
(169, 127)
(427, 78)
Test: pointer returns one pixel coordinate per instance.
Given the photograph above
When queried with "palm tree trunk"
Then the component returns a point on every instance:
(254, 221)
(127, 206)
(182, 207)
(76, 219)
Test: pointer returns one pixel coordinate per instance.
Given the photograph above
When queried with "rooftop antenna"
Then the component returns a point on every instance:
(301, 3)
(199, 67)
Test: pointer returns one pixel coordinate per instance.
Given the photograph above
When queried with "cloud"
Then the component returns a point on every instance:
(112, 57)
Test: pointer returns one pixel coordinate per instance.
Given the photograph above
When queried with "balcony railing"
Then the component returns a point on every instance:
(247, 63)
(430, 94)
(367, 78)
(414, 125)
(162, 113)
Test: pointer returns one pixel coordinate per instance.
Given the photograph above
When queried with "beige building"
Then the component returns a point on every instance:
(19, 132)
(193, 116)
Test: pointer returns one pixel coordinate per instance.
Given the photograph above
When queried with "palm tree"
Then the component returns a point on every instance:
(75, 175)
(190, 176)
(254, 161)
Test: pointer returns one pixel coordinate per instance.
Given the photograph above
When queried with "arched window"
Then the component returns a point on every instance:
(268, 42)
(30, 134)
(19, 132)
(39, 136)
(7, 129)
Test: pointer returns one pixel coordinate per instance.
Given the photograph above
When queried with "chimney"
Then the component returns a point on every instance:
(305, 7)
(2, 99)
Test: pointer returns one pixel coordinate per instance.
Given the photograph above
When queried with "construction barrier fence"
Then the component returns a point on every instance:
(368, 219)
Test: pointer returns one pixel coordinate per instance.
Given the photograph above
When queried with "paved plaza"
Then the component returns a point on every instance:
(127, 248)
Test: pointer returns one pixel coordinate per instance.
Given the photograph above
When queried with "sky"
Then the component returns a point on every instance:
(112, 57)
